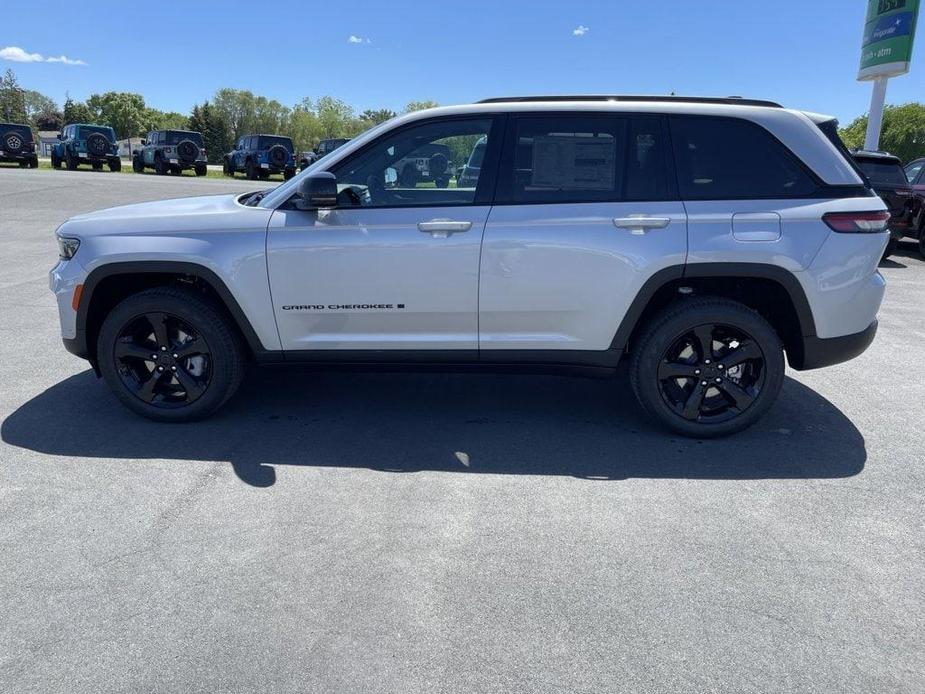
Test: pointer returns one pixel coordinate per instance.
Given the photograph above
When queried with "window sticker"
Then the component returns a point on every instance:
(573, 162)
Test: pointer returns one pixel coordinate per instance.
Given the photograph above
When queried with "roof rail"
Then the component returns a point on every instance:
(737, 100)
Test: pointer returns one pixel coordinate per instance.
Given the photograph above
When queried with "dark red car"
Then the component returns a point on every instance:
(915, 175)
(887, 178)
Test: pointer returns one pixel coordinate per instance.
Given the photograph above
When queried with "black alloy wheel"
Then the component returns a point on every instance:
(712, 373)
(170, 354)
(707, 367)
(163, 360)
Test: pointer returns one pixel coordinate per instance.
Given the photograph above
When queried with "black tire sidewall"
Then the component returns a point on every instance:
(226, 353)
(674, 321)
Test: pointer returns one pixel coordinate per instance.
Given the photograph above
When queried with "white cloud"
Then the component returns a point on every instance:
(357, 39)
(64, 59)
(580, 30)
(18, 55)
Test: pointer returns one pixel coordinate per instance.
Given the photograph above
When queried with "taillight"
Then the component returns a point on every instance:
(857, 222)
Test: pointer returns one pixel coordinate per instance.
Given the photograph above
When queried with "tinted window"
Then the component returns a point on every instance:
(86, 130)
(883, 173)
(566, 159)
(266, 141)
(725, 158)
(586, 159)
(175, 137)
(413, 167)
(912, 171)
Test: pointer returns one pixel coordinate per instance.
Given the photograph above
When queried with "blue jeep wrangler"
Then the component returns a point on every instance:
(80, 143)
(258, 156)
(17, 145)
(171, 151)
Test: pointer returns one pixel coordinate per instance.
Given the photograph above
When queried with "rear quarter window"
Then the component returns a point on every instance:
(728, 158)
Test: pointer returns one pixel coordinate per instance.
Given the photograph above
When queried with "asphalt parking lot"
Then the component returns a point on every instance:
(365, 532)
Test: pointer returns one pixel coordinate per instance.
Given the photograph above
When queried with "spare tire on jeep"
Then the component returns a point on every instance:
(187, 152)
(278, 155)
(97, 145)
(13, 143)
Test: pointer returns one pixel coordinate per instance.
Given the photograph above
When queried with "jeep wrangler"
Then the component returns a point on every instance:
(80, 143)
(17, 145)
(703, 240)
(171, 151)
(260, 156)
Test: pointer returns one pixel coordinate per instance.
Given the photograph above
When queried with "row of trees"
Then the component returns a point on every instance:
(221, 120)
(234, 112)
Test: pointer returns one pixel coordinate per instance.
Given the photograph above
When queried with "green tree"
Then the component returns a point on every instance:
(76, 112)
(335, 117)
(216, 136)
(304, 127)
(237, 107)
(903, 132)
(36, 102)
(379, 115)
(48, 120)
(164, 120)
(12, 99)
(420, 106)
(124, 112)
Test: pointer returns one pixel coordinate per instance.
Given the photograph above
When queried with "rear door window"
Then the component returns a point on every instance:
(913, 171)
(584, 158)
(728, 158)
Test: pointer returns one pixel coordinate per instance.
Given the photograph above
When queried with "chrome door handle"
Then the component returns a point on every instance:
(640, 224)
(441, 228)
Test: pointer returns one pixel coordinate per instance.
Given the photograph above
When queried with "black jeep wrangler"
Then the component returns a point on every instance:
(171, 151)
(259, 156)
(17, 146)
(83, 143)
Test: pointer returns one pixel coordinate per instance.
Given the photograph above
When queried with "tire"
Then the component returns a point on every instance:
(922, 243)
(288, 173)
(442, 182)
(23, 164)
(720, 399)
(408, 177)
(70, 161)
(97, 165)
(220, 372)
(201, 169)
(34, 163)
(138, 165)
(55, 162)
(228, 167)
(115, 164)
(160, 166)
(250, 170)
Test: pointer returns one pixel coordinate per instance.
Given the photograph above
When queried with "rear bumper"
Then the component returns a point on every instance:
(16, 158)
(819, 352)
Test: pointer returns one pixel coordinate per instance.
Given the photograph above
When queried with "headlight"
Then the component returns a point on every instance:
(67, 247)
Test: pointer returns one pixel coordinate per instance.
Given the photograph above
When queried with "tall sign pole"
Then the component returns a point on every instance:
(889, 31)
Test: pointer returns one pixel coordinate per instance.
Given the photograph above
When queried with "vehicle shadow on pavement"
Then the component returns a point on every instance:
(464, 423)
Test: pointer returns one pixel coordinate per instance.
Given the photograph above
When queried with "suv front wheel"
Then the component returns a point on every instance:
(707, 367)
(170, 355)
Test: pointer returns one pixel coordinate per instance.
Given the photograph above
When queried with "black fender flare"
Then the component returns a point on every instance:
(667, 275)
(163, 267)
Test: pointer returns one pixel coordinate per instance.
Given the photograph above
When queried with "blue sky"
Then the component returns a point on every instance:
(804, 54)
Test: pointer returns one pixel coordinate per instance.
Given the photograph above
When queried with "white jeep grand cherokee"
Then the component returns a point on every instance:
(700, 238)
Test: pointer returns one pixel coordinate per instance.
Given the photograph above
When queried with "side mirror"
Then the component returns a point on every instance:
(318, 191)
(144, 141)
(60, 136)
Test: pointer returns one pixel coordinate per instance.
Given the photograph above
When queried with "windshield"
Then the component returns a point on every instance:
(267, 141)
(175, 137)
(86, 130)
(884, 173)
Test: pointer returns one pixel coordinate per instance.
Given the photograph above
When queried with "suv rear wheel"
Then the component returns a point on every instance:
(70, 161)
(137, 164)
(707, 367)
(250, 170)
(170, 355)
(201, 169)
(55, 162)
(160, 166)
